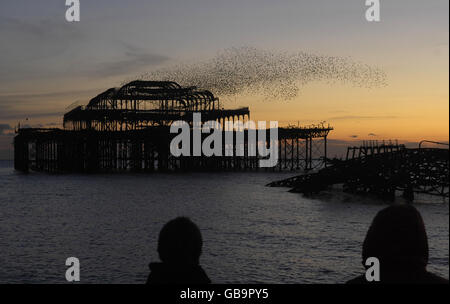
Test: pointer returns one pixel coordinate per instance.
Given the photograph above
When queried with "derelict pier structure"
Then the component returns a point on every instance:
(128, 129)
(380, 169)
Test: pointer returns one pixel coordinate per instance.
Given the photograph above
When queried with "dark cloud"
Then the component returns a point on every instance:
(132, 61)
(21, 115)
(12, 105)
(372, 134)
(53, 48)
(53, 124)
(25, 40)
(5, 128)
(356, 117)
(33, 48)
(15, 99)
(340, 142)
(354, 136)
(46, 30)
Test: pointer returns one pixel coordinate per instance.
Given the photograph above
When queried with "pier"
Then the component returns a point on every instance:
(380, 169)
(128, 129)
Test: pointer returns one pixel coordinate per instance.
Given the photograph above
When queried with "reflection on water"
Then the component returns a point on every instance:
(252, 233)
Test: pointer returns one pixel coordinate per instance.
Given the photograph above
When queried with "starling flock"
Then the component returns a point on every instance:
(272, 75)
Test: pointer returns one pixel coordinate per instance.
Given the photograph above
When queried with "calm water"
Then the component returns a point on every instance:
(252, 233)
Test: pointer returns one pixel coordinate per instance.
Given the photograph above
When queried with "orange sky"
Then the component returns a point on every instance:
(49, 64)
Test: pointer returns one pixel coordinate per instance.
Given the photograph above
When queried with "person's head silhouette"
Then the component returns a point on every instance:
(397, 238)
(180, 242)
(179, 248)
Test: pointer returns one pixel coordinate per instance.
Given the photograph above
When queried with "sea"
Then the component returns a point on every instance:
(251, 233)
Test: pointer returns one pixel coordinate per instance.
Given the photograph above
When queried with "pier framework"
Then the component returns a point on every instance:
(380, 169)
(128, 129)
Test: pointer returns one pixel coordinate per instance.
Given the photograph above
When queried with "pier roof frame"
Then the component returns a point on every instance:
(143, 91)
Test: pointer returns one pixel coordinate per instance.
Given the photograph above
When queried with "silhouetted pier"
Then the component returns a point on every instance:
(128, 129)
(380, 169)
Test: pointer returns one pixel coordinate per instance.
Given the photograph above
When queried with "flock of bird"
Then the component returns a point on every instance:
(272, 75)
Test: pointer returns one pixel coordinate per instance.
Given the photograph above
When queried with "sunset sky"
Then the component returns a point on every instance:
(47, 63)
